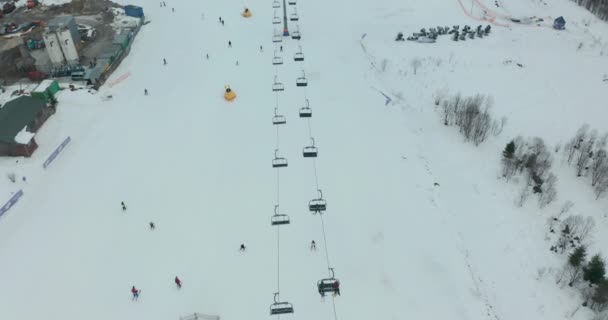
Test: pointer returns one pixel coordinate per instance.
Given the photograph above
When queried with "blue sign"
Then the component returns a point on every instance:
(11, 202)
(56, 153)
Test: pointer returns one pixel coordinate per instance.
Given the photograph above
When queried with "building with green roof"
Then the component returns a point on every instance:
(19, 120)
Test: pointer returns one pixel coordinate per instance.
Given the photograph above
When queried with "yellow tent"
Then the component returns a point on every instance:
(229, 95)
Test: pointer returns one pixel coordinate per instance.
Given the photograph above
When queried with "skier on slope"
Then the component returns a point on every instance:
(178, 282)
(135, 293)
(313, 245)
(242, 249)
(164, 61)
(124, 206)
(152, 226)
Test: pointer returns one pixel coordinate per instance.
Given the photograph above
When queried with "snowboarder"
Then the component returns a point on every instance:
(152, 226)
(336, 287)
(229, 44)
(124, 206)
(146, 92)
(164, 61)
(281, 47)
(242, 247)
(135, 293)
(313, 245)
(178, 282)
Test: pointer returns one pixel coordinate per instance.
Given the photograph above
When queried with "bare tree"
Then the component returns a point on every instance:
(599, 166)
(585, 152)
(549, 193)
(415, 64)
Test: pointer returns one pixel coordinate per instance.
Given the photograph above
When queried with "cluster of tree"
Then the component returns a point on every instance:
(533, 160)
(593, 273)
(597, 7)
(587, 153)
(573, 232)
(471, 115)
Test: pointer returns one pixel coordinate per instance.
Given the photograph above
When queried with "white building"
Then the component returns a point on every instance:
(61, 39)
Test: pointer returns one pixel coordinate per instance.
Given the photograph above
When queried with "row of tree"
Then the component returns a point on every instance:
(597, 7)
(471, 115)
(533, 160)
(587, 153)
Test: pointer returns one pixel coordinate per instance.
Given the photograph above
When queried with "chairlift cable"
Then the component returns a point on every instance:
(325, 244)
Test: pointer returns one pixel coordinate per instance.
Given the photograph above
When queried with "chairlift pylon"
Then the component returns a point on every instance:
(306, 112)
(317, 205)
(280, 307)
(329, 285)
(298, 56)
(278, 162)
(310, 151)
(277, 86)
(302, 81)
(277, 60)
(279, 219)
(278, 119)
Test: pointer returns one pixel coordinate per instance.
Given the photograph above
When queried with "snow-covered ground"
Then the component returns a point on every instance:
(200, 168)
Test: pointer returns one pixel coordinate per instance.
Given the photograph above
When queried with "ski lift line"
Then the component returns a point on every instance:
(278, 259)
(325, 244)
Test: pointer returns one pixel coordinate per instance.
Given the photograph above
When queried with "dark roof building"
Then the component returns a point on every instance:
(19, 119)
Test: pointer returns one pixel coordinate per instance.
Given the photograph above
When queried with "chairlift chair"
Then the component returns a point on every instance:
(279, 219)
(276, 4)
(317, 205)
(294, 16)
(278, 119)
(280, 307)
(291, 2)
(278, 162)
(302, 81)
(277, 60)
(306, 112)
(277, 37)
(277, 86)
(296, 35)
(328, 285)
(276, 19)
(298, 56)
(310, 151)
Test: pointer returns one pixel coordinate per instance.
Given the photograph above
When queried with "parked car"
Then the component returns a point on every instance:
(8, 7)
(37, 75)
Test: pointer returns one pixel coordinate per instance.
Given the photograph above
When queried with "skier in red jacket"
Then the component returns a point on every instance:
(135, 293)
(178, 282)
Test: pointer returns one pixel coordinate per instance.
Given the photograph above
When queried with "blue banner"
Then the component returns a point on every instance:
(11, 202)
(56, 152)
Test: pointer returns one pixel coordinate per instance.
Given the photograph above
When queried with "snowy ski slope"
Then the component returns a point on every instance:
(200, 168)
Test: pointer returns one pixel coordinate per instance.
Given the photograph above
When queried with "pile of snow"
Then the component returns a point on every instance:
(54, 2)
(24, 136)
